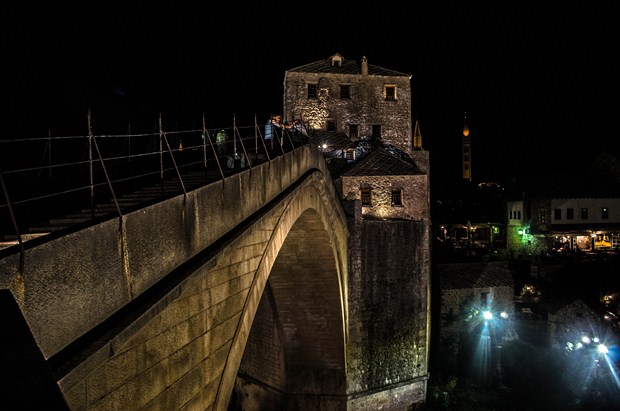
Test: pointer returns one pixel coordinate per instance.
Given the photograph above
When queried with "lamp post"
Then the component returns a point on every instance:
(496, 332)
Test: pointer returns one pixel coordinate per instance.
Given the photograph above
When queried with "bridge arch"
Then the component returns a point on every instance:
(290, 344)
(156, 313)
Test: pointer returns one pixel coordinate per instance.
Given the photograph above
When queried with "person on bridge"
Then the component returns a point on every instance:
(273, 129)
(220, 140)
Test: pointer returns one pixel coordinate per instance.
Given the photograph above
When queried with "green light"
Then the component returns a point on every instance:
(520, 231)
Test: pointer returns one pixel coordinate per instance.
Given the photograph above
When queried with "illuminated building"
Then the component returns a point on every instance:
(565, 213)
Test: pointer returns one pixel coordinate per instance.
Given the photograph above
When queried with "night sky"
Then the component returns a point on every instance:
(539, 83)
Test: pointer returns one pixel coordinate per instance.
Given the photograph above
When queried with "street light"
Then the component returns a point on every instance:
(492, 337)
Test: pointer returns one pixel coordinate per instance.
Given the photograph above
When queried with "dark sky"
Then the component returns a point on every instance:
(539, 83)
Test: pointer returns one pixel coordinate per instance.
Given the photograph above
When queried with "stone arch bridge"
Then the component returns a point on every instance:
(232, 296)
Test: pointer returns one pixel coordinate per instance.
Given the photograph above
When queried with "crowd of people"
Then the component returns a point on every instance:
(274, 128)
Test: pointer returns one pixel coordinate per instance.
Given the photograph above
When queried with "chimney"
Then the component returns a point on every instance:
(364, 66)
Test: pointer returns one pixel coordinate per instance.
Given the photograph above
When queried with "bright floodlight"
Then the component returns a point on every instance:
(324, 146)
(602, 349)
(504, 314)
(595, 339)
(585, 339)
(487, 315)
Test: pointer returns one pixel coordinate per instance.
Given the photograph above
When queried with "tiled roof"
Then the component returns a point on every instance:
(556, 305)
(474, 275)
(334, 140)
(347, 67)
(380, 162)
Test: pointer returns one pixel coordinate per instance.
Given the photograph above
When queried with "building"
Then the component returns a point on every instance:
(566, 213)
(340, 95)
(572, 322)
(473, 287)
(359, 115)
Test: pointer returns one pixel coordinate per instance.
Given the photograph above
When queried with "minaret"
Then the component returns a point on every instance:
(417, 136)
(466, 152)
(418, 154)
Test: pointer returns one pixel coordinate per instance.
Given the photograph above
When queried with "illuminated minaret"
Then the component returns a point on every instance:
(417, 137)
(466, 152)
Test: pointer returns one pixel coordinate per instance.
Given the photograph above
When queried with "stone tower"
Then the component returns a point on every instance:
(360, 116)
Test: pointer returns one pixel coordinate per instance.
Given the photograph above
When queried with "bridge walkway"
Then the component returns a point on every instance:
(74, 187)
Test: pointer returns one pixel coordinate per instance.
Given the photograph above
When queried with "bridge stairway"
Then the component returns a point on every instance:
(141, 197)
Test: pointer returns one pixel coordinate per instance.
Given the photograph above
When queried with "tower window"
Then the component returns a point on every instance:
(312, 89)
(605, 213)
(331, 125)
(570, 213)
(390, 92)
(584, 213)
(353, 131)
(397, 198)
(366, 197)
(345, 91)
(376, 131)
(557, 214)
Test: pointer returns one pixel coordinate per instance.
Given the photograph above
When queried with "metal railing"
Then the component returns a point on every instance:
(50, 182)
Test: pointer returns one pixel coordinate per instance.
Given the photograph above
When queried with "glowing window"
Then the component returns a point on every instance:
(366, 197)
(390, 93)
(541, 216)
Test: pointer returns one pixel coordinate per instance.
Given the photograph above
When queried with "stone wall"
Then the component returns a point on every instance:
(414, 188)
(389, 284)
